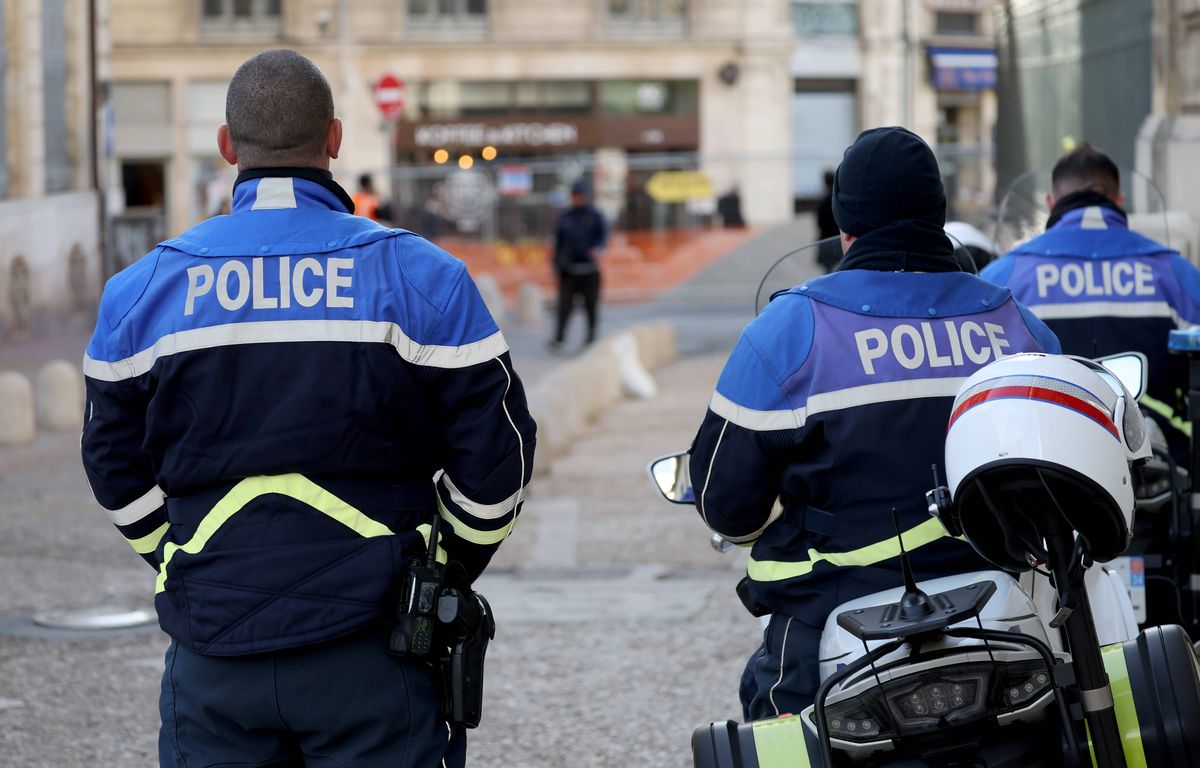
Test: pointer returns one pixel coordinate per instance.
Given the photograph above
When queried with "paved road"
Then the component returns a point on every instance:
(619, 630)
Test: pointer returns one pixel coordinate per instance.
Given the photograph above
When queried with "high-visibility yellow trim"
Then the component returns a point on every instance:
(780, 743)
(150, 541)
(291, 485)
(467, 533)
(776, 570)
(1168, 413)
(1123, 705)
(425, 529)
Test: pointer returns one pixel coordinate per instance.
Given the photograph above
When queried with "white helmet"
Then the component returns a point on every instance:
(1032, 435)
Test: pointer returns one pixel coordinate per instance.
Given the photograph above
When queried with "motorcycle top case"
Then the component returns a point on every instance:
(780, 742)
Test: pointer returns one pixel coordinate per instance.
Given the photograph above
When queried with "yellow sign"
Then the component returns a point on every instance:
(679, 186)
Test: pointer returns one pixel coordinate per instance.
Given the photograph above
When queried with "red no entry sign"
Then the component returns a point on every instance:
(390, 96)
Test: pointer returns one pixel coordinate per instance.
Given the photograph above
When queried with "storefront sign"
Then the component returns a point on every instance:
(963, 69)
(504, 135)
(679, 186)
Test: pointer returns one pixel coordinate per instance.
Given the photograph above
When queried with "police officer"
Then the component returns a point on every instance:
(270, 396)
(1103, 289)
(835, 402)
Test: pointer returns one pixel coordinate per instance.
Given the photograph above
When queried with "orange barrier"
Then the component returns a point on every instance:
(637, 266)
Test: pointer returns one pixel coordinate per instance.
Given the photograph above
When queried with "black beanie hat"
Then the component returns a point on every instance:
(887, 175)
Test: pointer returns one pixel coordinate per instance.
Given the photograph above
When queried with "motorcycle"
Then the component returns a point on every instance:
(987, 676)
(973, 670)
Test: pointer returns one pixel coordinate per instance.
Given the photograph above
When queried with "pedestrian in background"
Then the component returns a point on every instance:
(277, 460)
(579, 240)
(367, 201)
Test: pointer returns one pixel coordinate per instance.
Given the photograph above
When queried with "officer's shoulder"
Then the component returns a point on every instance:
(124, 289)
(429, 269)
(785, 323)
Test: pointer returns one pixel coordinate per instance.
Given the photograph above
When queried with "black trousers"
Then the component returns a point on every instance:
(343, 703)
(570, 286)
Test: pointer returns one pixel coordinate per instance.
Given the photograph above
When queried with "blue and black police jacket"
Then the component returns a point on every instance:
(269, 398)
(835, 401)
(1103, 289)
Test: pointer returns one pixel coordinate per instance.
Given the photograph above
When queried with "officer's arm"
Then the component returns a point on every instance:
(738, 456)
(119, 471)
(1189, 283)
(486, 428)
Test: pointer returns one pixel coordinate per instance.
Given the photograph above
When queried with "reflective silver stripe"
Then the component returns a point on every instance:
(296, 331)
(759, 421)
(131, 513)
(1086, 309)
(839, 399)
(274, 194)
(481, 511)
(1096, 699)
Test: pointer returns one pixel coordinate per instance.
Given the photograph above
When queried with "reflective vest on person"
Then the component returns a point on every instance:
(835, 401)
(366, 204)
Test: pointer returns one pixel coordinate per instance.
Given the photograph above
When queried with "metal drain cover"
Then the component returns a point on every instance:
(99, 617)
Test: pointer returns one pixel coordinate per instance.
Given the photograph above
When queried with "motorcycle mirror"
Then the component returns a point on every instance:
(670, 476)
(1130, 370)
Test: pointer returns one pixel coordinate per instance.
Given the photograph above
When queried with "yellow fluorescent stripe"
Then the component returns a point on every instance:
(149, 542)
(467, 533)
(775, 570)
(425, 529)
(292, 485)
(780, 743)
(1122, 693)
(1164, 410)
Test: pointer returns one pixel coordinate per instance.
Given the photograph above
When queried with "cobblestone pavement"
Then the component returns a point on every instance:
(619, 631)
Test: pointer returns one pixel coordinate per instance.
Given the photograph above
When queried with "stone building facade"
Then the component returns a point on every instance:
(49, 210)
(629, 80)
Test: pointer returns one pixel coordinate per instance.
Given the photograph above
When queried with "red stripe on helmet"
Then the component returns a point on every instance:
(1027, 392)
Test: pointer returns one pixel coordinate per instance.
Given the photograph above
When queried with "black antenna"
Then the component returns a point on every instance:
(915, 603)
(431, 554)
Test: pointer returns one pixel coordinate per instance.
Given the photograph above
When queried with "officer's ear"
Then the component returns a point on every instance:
(225, 145)
(1049, 202)
(333, 139)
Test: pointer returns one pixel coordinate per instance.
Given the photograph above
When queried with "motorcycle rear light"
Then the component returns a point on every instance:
(943, 697)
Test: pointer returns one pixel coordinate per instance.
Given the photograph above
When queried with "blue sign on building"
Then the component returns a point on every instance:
(963, 69)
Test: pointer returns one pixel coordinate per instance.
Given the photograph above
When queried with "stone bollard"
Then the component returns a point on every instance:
(17, 423)
(635, 379)
(489, 289)
(530, 304)
(59, 389)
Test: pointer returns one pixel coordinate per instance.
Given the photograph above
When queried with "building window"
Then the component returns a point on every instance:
(956, 23)
(649, 97)
(455, 17)
(820, 18)
(54, 93)
(656, 16)
(242, 16)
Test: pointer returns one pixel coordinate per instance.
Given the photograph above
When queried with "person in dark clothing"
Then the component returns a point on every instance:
(828, 254)
(579, 240)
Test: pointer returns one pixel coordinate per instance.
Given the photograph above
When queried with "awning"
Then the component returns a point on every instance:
(963, 69)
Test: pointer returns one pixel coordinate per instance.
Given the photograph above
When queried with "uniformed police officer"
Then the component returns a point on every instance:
(269, 398)
(1103, 289)
(835, 402)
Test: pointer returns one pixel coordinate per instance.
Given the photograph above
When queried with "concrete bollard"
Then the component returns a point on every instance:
(530, 304)
(59, 396)
(17, 424)
(489, 289)
(635, 379)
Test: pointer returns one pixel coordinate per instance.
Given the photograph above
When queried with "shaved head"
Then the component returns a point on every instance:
(1086, 168)
(278, 109)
